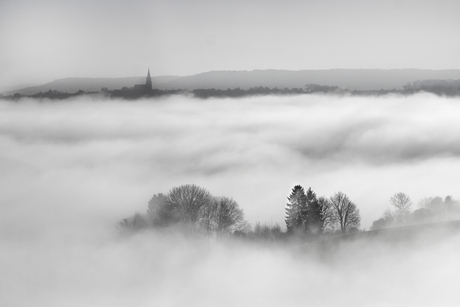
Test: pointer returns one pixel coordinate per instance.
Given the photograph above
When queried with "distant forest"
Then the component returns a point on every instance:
(450, 88)
(193, 210)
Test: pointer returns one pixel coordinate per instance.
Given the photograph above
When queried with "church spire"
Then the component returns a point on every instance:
(148, 82)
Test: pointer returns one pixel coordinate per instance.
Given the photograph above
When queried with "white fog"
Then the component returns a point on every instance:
(70, 170)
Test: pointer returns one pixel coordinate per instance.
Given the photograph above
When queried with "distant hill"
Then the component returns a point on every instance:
(353, 79)
(72, 85)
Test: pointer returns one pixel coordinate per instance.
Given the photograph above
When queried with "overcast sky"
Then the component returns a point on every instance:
(43, 40)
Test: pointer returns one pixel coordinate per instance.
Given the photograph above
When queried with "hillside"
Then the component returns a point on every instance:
(72, 85)
(429, 232)
(352, 79)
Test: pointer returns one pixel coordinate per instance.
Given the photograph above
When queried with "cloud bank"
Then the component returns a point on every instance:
(70, 170)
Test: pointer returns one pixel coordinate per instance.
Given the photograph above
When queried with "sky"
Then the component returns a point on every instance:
(70, 171)
(44, 40)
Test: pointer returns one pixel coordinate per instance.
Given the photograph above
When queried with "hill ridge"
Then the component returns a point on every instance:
(351, 79)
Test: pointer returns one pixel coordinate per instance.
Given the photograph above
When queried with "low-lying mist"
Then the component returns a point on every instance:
(70, 170)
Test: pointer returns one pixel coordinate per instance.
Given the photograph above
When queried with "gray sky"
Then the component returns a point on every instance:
(42, 40)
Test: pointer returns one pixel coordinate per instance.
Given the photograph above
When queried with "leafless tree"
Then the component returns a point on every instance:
(229, 217)
(187, 202)
(326, 213)
(224, 216)
(402, 205)
(345, 213)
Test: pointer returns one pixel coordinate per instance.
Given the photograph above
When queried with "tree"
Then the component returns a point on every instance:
(378, 224)
(384, 222)
(193, 208)
(346, 214)
(186, 203)
(133, 224)
(295, 207)
(269, 232)
(452, 207)
(326, 214)
(402, 204)
(159, 213)
(311, 214)
(421, 215)
(224, 216)
(437, 209)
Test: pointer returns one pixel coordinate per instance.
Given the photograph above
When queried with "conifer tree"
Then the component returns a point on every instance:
(295, 208)
(312, 214)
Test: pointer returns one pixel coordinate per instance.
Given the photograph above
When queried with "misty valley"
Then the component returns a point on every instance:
(264, 200)
(229, 153)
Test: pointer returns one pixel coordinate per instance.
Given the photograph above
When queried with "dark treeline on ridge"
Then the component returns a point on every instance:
(194, 210)
(449, 88)
(131, 93)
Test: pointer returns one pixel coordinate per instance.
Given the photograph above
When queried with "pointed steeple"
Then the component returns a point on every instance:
(148, 82)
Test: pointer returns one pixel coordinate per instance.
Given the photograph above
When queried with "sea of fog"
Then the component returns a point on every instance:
(70, 170)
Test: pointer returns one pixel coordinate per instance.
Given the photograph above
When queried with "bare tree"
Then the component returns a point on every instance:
(187, 202)
(228, 216)
(345, 212)
(402, 204)
(326, 213)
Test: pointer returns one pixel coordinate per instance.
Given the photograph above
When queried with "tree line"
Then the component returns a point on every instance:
(193, 209)
(429, 209)
(306, 213)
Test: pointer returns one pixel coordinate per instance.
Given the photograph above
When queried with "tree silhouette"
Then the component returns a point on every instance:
(228, 216)
(223, 216)
(133, 224)
(159, 213)
(326, 214)
(402, 204)
(387, 220)
(346, 214)
(186, 203)
(296, 206)
(311, 214)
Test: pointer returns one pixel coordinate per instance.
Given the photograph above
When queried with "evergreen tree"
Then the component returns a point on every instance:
(312, 214)
(295, 208)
